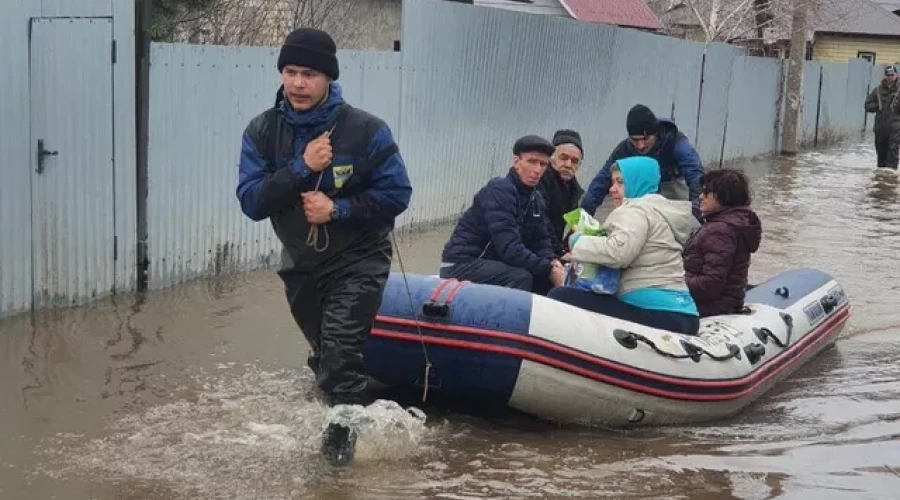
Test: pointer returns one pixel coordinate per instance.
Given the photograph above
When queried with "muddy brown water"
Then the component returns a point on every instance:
(200, 391)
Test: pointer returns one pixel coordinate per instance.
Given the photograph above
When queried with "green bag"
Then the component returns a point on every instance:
(580, 221)
(585, 275)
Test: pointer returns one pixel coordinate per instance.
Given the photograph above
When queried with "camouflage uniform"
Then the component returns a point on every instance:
(884, 101)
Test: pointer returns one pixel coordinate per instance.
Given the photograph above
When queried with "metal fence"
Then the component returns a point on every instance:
(469, 81)
(67, 216)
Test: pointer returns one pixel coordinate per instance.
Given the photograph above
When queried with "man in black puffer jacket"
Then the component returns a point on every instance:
(331, 180)
(502, 239)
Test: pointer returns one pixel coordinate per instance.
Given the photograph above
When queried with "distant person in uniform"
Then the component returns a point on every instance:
(330, 179)
(660, 139)
(502, 239)
(560, 187)
(884, 103)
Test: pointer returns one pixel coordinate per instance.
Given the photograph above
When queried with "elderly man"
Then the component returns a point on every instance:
(680, 166)
(502, 239)
(884, 103)
(559, 187)
(318, 168)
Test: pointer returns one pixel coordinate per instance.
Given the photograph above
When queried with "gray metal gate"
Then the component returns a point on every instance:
(72, 180)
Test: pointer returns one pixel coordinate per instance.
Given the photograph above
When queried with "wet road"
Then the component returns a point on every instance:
(200, 392)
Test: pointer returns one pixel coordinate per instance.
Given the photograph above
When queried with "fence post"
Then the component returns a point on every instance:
(818, 108)
(727, 108)
(700, 99)
(143, 16)
(865, 120)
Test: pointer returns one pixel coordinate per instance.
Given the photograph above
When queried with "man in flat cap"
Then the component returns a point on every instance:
(330, 179)
(502, 239)
(559, 187)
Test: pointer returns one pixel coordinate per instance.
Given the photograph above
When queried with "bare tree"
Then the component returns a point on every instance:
(352, 23)
(342, 19)
(746, 22)
(221, 21)
(770, 23)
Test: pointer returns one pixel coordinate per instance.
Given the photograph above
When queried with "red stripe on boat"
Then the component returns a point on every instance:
(829, 325)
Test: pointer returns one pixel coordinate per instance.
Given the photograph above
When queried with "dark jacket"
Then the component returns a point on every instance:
(883, 100)
(367, 178)
(676, 157)
(561, 197)
(717, 259)
(506, 222)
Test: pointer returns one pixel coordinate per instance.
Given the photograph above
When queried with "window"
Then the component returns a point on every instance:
(868, 56)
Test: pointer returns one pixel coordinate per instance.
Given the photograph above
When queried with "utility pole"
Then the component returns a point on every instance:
(794, 103)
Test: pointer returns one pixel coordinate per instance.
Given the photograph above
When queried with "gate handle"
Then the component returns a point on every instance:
(41, 152)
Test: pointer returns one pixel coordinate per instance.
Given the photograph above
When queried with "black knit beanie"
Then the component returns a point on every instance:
(641, 121)
(310, 48)
(566, 136)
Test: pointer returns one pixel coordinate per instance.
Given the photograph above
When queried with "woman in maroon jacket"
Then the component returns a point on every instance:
(717, 258)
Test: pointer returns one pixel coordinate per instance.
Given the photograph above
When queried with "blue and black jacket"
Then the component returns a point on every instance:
(674, 153)
(367, 178)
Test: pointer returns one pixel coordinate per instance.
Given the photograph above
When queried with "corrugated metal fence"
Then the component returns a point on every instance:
(67, 215)
(466, 85)
(469, 81)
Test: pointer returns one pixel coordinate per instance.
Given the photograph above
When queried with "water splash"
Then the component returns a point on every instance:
(239, 430)
(385, 430)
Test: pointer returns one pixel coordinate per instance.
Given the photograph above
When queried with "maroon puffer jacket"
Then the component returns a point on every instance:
(717, 259)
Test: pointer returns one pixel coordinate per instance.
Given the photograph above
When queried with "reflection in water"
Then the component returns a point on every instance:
(201, 391)
(882, 194)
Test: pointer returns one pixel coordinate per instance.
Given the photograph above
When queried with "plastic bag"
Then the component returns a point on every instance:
(586, 275)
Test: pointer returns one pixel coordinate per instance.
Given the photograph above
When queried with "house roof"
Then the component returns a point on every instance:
(628, 13)
(852, 17)
(890, 5)
(864, 18)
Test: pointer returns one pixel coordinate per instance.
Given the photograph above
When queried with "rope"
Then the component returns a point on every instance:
(695, 352)
(312, 239)
(412, 308)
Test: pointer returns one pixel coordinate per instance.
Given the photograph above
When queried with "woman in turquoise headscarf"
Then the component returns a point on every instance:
(645, 237)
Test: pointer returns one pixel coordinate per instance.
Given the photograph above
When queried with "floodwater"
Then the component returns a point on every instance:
(201, 391)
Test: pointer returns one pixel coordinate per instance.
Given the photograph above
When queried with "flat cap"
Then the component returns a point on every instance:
(533, 143)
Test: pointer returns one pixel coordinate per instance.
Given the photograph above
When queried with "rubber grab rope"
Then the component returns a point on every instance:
(629, 340)
(764, 334)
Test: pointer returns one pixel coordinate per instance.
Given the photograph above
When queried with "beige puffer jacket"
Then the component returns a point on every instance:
(646, 237)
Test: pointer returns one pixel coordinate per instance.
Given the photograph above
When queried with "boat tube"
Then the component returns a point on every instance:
(569, 365)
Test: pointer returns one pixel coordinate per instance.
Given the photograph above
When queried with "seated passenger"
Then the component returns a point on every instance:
(559, 187)
(717, 258)
(502, 239)
(658, 138)
(646, 233)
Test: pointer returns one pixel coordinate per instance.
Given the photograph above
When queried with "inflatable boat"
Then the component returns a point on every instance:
(568, 365)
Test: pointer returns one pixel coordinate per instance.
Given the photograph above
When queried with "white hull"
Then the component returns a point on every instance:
(569, 365)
